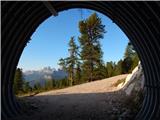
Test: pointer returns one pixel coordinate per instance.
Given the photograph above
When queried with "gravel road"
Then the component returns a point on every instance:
(97, 100)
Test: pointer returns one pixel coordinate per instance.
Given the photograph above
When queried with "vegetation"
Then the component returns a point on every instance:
(119, 82)
(92, 31)
(84, 63)
(26, 88)
(69, 63)
(18, 81)
(130, 59)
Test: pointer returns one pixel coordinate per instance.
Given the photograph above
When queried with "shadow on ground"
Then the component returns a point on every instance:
(82, 106)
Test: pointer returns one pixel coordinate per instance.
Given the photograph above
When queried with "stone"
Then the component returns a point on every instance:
(135, 81)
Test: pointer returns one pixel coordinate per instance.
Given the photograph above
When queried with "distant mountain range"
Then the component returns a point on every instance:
(34, 76)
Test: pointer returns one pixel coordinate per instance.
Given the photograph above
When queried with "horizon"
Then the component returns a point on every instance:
(56, 69)
(40, 51)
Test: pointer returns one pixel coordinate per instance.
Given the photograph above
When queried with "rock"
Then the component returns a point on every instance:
(135, 81)
(133, 88)
(129, 89)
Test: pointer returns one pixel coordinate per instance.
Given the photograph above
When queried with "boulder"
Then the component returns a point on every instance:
(134, 81)
(133, 87)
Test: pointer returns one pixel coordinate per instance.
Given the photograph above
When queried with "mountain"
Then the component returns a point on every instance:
(34, 76)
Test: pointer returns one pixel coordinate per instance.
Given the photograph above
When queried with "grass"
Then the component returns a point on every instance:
(119, 82)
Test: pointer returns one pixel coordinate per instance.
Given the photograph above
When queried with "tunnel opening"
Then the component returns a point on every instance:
(34, 86)
(139, 21)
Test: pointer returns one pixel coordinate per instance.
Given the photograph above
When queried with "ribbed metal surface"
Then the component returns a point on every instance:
(139, 20)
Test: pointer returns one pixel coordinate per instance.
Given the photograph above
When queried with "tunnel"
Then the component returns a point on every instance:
(140, 21)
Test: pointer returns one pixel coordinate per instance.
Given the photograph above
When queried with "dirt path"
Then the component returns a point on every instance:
(90, 101)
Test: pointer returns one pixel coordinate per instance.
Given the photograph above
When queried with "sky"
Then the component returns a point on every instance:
(49, 42)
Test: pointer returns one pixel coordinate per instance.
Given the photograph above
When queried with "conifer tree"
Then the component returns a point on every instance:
(110, 68)
(100, 72)
(130, 59)
(62, 63)
(91, 31)
(72, 59)
(68, 64)
(78, 73)
(27, 87)
(129, 51)
(18, 81)
(118, 68)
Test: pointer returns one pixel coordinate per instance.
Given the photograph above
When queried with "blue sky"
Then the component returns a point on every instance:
(49, 42)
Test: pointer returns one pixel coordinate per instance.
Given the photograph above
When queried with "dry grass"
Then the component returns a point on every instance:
(118, 82)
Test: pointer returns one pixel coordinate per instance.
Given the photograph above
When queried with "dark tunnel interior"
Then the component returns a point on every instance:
(140, 21)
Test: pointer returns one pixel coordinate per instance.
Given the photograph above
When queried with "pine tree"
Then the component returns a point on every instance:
(135, 61)
(18, 81)
(49, 84)
(127, 64)
(110, 68)
(27, 87)
(129, 51)
(130, 59)
(78, 73)
(39, 87)
(91, 31)
(100, 72)
(53, 83)
(35, 88)
(118, 68)
(72, 59)
(68, 64)
(62, 63)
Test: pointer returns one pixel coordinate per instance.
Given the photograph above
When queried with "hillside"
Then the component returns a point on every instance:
(99, 86)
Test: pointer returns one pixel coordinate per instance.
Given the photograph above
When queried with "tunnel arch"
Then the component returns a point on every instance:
(140, 21)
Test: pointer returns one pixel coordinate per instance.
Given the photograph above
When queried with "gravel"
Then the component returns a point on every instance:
(97, 100)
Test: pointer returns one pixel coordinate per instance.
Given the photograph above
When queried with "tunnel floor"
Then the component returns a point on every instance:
(97, 100)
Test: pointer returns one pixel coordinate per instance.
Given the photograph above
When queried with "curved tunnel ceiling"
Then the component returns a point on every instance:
(140, 21)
